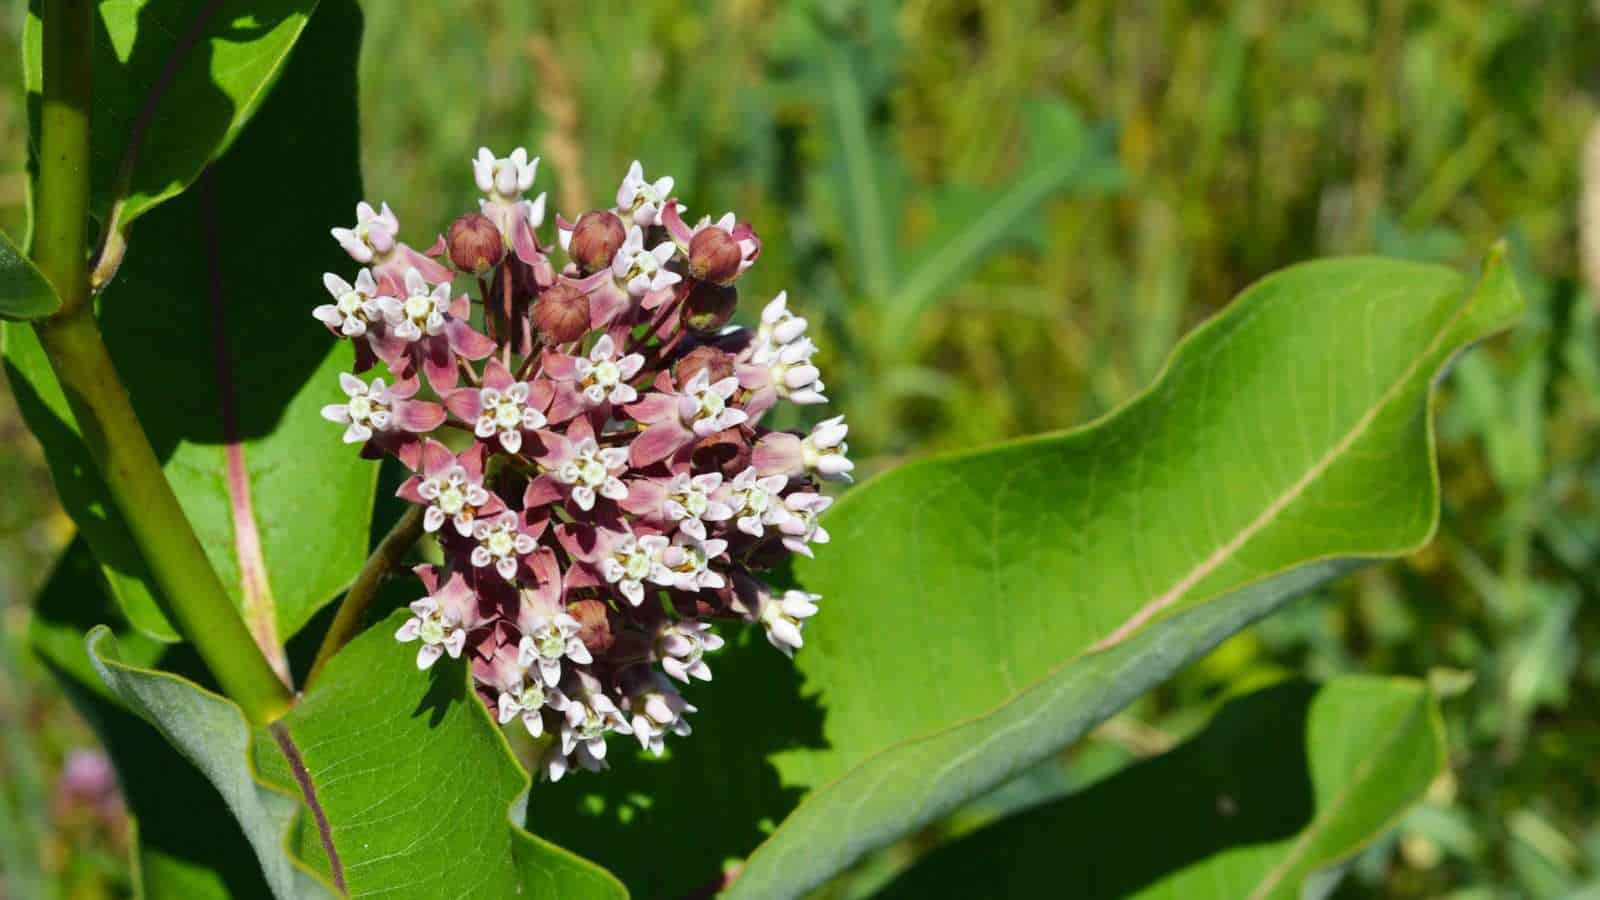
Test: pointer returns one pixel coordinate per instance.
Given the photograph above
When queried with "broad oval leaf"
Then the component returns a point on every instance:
(174, 84)
(24, 291)
(981, 611)
(383, 780)
(209, 326)
(1283, 783)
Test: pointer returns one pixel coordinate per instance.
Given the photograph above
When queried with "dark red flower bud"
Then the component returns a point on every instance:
(561, 313)
(719, 365)
(595, 240)
(726, 451)
(594, 625)
(475, 243)
(709, 306)
(714, 255)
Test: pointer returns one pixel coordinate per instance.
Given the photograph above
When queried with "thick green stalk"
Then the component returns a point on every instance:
(347, 621)
(191, 594)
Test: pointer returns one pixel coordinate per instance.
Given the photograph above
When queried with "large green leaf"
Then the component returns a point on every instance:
(1283, 783)
(24, 291)
(174, 83)
(983, 610)
(409, 788)
(208, 324)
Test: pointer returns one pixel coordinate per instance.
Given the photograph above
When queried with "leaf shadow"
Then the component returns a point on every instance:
(446, 687)
(667, 826)
(1242, 782)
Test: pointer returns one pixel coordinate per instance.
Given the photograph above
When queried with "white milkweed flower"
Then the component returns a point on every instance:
(421, 312)
(641, 270)
(438, 619)
(640, 199)
(801, 528)
(501, 543)
(632, 561)
(527, 698)
(823, 450)
(548, 642)
(784, 615)
(369, 409)
(756, 501)
(681, 647)
(690, 502)
(656, 709)
(601, 377)
(593, 471)
(689, 559)
(508, 176)
(354, 308)
(590, 715)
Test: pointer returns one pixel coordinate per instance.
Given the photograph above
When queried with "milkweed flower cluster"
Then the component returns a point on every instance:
(586, 445)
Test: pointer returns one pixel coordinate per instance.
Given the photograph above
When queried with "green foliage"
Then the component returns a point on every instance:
(967, 598)
(228, 380)
(24, 291)
(174, 85)
(1283, 782)
(386, 756)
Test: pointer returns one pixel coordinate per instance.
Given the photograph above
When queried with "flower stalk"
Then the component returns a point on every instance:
(188, 588)
(347, 621)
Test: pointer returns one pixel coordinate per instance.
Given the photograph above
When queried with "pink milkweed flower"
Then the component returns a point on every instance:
(642, 271)
(628, 560)
(576, 466)
(689, 559)
(374, 242)
(590, 382)
(642, 200)
(376, 409)
(526, 698)
(451, 487)
(682, 646)
(505, 180)
(656, 708)
(675, 420)
(441, 619)
(685, 501)
(502, 409)
(426, 329)
(354, 309)
(801, 528)
(777, 361)
(502, 542)
(590, 715)
(820, 453)
(548, 641)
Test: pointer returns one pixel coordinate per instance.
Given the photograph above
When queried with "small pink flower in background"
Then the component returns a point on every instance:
(599, 446)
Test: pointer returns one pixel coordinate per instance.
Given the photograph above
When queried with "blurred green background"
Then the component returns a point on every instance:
(1101, 176)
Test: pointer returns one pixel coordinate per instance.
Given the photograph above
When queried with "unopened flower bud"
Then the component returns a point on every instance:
(726, 451)
(594, 624)
(714, 255)
(595, 240)
(562, 313)
(717, 364)
(475, 243)
(709, 306)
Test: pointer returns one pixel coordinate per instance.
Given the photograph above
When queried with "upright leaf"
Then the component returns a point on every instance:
(24, 291)
(174, 84)
(983, 610)
(208, 324)
(1284, 782)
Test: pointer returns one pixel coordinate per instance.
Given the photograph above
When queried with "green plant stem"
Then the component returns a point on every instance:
(189, 590)
(347, 621)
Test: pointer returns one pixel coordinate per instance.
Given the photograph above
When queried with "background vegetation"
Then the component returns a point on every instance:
(1245, 137)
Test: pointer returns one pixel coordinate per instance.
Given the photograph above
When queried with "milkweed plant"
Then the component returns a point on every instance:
(585, 426)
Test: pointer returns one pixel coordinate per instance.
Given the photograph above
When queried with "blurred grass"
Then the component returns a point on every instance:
(1251, 135)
